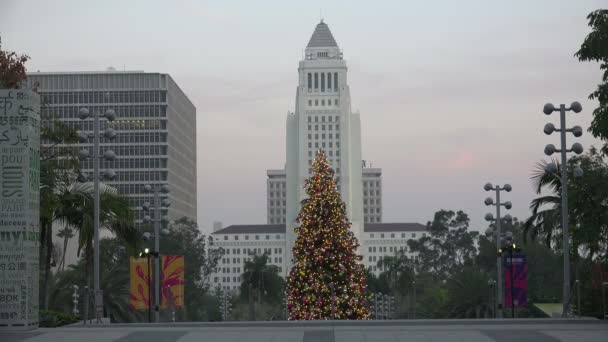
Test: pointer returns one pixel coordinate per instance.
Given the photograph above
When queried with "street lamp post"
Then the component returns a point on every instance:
(492, 305)
(489, 217)
(108, 155)
(577, 148)
(157, 220)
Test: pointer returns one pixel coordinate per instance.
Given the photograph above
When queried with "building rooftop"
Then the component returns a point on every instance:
(322, 37)
(280, 228)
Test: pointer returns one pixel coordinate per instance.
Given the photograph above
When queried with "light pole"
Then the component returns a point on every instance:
(489, 217)
(108, 155)
(577, 148)
(157, 220)
(146, 253)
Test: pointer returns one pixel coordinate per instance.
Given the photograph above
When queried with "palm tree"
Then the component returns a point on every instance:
(546, 209)
(66, 234)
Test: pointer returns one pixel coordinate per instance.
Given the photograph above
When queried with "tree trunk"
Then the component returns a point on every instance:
(65, 247)
(41, 248)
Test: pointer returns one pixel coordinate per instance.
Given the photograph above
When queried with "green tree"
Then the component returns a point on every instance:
(200, 260)
(12, 69)
(261, 285)
(327, 279)
(114, 267)
(595, 49)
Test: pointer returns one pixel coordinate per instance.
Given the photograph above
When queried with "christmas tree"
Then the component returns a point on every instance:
(327, 280)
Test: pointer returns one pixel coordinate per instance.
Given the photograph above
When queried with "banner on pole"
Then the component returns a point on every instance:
(515, 276)
(172, 275)
(142, 283)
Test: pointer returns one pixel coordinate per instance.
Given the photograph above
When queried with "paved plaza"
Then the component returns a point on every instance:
(368, 331)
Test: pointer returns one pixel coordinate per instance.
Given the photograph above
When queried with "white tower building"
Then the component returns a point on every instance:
(323, 120)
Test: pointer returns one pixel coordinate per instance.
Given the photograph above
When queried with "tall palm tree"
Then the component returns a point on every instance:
(399, 270)
(66, 234)
(546, 209)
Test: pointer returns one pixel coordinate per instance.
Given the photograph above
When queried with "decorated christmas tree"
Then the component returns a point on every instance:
(327, 280)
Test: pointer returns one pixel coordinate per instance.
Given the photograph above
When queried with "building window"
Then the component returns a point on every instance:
(316, 81)
(225, 237)
(309, 103)
(309, 81)
(392, 235)
(316, 103)
(381, 236)
(246, 237)
(336, 102)
(336, 81)
(257, 237)
(322, 102)
(329, 81)
(236, 237)
(323, 83)
(277, 236)
(403, 235)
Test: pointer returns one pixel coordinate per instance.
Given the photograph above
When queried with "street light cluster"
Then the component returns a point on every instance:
(550, 168)
(383, 306)
(550, 149)
(108, 155)
(225, 305)
(489, 217)
(158, 219)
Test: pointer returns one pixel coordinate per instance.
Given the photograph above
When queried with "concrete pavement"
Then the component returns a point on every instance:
(327, 331)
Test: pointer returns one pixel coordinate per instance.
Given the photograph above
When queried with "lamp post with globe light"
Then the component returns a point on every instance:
(577, 148)
(157, 220)
(489, 217)
(108, 155)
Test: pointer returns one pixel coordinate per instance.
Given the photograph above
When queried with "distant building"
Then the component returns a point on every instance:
(241, 242)
(372, 195)
(276, 196)
(155, 126)
(276, 184)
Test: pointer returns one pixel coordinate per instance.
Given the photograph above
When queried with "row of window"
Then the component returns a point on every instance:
(383, 249)
(278, 185)
(372, 219)
(98, 81)
(139, 150)
(371, 192)
(268, 250)
(110, 97)
(257, 237)
(370, 184)
(330, 136)
(280, 194)
(277, 211)
(371, 210)
(329, 118)
(278, 203)
(128, 163)
(329, 127)
(277, 220)
(382, 235)
(372, 201)
(336, 102)
(322, 77)
(124, 125)
(140, 176)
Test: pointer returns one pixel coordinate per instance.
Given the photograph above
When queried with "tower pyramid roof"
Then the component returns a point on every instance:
(322, 37)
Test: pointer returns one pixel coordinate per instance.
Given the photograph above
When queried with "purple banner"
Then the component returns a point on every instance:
(515, 275)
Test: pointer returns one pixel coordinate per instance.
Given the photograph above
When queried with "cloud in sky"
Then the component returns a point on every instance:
(450, 92)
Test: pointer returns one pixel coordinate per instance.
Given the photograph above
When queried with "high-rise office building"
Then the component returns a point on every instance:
(323, 120)
(155, 130)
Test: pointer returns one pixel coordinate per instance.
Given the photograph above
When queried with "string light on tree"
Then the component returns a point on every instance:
(328, 279)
